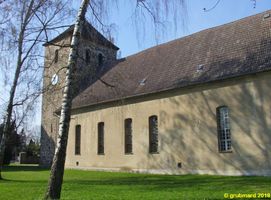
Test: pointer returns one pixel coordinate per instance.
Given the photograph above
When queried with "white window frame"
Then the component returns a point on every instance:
(223, 129)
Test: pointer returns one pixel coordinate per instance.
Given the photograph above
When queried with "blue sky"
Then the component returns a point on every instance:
(197, 20)
(126, 38)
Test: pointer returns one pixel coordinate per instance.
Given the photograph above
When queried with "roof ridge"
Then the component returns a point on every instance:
(198, 32)
(240, 49)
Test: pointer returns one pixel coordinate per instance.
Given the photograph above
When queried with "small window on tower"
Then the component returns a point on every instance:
(100, 59)
(87, 56)
(56, 56)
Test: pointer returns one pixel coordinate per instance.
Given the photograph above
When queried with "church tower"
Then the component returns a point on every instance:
(95, 55)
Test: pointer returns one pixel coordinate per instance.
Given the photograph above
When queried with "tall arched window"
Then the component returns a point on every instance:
(223, 129)
(77, 139)
(101, 138)
(153, 134)
(128, 137)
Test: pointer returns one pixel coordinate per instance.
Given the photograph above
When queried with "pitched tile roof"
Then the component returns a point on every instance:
(88, 33)
(234, 49)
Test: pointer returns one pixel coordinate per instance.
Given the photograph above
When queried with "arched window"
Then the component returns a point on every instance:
(101, 138)
(77, 139)
(153, 134)
(87, 56)
(223, 129)
(128, 148)
(100, 59)
(56, 56)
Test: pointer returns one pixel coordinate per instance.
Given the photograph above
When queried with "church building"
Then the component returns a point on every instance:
(200, 104)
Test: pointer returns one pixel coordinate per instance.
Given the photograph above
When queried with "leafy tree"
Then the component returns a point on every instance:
(13, 144)
(22, 140)
(32, 149)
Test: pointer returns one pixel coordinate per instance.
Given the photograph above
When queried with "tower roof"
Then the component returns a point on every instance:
(88, 33)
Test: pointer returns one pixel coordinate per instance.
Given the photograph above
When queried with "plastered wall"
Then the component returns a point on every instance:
(187, 131)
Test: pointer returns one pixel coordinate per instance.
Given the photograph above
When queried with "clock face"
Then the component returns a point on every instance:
(54, 79)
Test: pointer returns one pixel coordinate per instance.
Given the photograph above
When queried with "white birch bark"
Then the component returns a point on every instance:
(57, 169)
(8, 115)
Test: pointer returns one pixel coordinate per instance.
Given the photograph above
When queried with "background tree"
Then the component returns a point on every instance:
(33, 148)
(1, 130)
(13, 144)
(24, 26)
(22, 139)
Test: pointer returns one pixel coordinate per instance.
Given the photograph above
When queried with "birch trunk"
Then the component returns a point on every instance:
(57, 169)
(8, 115)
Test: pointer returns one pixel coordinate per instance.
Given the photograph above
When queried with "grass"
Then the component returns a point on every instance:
(29, 182)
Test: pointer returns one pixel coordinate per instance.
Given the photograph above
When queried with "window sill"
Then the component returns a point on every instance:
(229, 151)
(128, 154)
(154, 152)
(100, 154)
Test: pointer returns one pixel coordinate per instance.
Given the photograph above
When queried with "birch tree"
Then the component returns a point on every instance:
(57, 169)
(23, 26)
(157, 10)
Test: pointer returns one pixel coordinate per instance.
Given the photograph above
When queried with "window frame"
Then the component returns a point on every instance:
(153, 135)
(77, 142)
(100, 138)
(223, 129)
(128, 136)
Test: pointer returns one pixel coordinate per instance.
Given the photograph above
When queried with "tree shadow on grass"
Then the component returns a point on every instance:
(26, 178)
(23, 181)
(165, 182)
(19, 168)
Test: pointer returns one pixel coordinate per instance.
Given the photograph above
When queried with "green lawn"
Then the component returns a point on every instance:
(29, 182)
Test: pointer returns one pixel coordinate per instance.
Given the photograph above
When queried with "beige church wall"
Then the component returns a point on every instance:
(187, 131)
